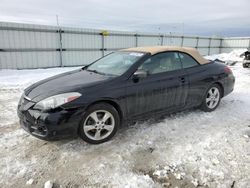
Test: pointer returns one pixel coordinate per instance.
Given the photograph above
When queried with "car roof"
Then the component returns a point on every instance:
(157, 49)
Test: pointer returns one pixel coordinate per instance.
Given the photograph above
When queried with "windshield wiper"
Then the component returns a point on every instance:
(95, 71)
(102, 73)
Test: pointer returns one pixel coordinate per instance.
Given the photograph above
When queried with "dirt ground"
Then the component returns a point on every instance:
(188, 149)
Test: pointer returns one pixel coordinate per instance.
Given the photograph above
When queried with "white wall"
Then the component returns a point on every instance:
(35, 46)
(228, 44)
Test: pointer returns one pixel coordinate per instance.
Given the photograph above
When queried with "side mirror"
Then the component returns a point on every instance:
(139, 74)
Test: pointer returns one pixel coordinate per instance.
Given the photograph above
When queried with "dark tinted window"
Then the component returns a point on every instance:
(187, 60)
(163, 62)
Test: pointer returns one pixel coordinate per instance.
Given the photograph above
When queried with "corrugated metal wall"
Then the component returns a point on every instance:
(35, 46)
(21, 47)
(229, 44)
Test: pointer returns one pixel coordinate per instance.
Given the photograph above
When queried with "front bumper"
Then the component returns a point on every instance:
(55, 125)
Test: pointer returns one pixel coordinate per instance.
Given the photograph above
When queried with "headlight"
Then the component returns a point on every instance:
(56, 100)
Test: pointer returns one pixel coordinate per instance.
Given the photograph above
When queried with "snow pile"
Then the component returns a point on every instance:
(48, 184)
(233, 56)
(22, 78)
(30, 182)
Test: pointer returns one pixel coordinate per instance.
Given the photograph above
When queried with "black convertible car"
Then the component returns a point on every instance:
(127, 85)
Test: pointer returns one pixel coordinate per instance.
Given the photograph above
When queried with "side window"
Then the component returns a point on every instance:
(163, 62)
(187, 60)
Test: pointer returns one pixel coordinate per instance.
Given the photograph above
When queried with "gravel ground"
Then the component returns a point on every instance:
(188, 149)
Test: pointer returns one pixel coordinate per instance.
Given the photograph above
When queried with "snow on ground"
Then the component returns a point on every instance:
(228, 57)
(187, 149)
(22, 78)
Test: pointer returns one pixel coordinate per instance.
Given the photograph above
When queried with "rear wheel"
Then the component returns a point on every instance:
(99, 123)
(212, 98)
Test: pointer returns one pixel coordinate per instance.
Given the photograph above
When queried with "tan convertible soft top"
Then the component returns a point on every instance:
(157, 49)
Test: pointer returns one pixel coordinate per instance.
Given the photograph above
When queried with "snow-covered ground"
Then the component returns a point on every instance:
(188, 149)
(233, 56)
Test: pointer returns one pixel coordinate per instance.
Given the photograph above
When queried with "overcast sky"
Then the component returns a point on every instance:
(202, 17)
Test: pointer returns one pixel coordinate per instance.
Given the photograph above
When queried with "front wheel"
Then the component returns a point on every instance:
(212, 98)
(99, 123)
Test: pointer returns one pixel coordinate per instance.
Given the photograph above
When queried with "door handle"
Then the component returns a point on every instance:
(182, 80)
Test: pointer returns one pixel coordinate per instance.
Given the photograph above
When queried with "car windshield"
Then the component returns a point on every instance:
(115, 63)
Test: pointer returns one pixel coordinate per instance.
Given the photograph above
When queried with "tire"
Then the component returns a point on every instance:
(212, 98)
(99, 123)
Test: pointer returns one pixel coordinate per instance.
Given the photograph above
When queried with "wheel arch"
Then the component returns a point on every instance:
(221, 87)
(112, 103)
(209, 85)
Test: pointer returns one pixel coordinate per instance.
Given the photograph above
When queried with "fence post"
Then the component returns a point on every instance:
(162, 38)
(102, 45)
(136, 40)
(197, 42)
(209, 46)
(220, 47)
(182, 40)
(60, 46)
(103, 34)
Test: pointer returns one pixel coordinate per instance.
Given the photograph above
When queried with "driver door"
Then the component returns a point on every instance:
(161, 89)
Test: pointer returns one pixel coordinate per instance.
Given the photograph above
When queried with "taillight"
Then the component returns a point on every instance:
(228, 70)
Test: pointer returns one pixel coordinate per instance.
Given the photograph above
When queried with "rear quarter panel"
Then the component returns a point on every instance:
(202, 77)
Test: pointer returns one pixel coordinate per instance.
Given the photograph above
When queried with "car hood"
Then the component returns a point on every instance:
(66, 82)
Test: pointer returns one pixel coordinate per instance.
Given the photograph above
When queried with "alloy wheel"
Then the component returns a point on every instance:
(99, 125)
(213, 97)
